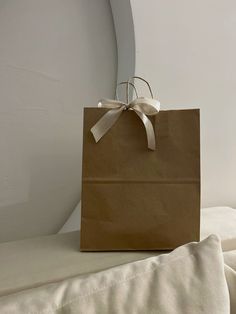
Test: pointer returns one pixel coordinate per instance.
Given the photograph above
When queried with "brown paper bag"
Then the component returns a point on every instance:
(134, 198)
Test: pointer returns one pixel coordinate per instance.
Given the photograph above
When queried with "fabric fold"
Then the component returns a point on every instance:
(191, 279)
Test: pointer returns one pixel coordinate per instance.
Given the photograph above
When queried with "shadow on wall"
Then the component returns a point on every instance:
(56, 57)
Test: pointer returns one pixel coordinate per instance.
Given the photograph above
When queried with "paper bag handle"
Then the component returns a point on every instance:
(142, 79)
(127, 90)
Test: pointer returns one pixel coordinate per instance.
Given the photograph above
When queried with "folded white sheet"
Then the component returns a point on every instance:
(222, 222)
(189, 280)
(73, 222)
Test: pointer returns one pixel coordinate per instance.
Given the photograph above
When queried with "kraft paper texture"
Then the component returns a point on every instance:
(137, 199)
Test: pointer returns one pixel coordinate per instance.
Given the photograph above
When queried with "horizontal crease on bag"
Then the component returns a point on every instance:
(117, 181)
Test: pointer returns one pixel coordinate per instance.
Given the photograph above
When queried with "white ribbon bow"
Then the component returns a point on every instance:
(142, 106)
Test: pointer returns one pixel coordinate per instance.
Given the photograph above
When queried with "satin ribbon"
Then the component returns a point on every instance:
(142, 106)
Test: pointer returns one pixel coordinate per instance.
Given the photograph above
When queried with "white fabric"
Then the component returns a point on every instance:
(222, 222)
(191, 279)
(73, 222)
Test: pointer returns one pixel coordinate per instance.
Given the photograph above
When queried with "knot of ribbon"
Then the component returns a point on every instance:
(142, 106)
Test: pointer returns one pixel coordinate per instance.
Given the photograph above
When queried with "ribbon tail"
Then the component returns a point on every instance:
(151, 139)
(105, 123)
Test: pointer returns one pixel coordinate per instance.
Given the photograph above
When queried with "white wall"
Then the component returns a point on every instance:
(56, 56)
(187, 49)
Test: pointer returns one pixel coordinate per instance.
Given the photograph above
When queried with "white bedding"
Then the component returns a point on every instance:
(195, 278)
(222, 222)
(192, 279)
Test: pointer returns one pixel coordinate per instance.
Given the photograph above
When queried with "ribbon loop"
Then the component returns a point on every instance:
(106, 121)
(142, 106)
(148, 106)
(110, 103)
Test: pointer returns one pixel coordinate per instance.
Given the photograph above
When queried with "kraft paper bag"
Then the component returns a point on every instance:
(134, 198)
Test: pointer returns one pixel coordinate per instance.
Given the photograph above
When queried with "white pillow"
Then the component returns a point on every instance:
(191, 279)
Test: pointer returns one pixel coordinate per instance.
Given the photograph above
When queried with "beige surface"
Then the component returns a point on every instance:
(29, 263)
(191, 279)
(33, 262)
